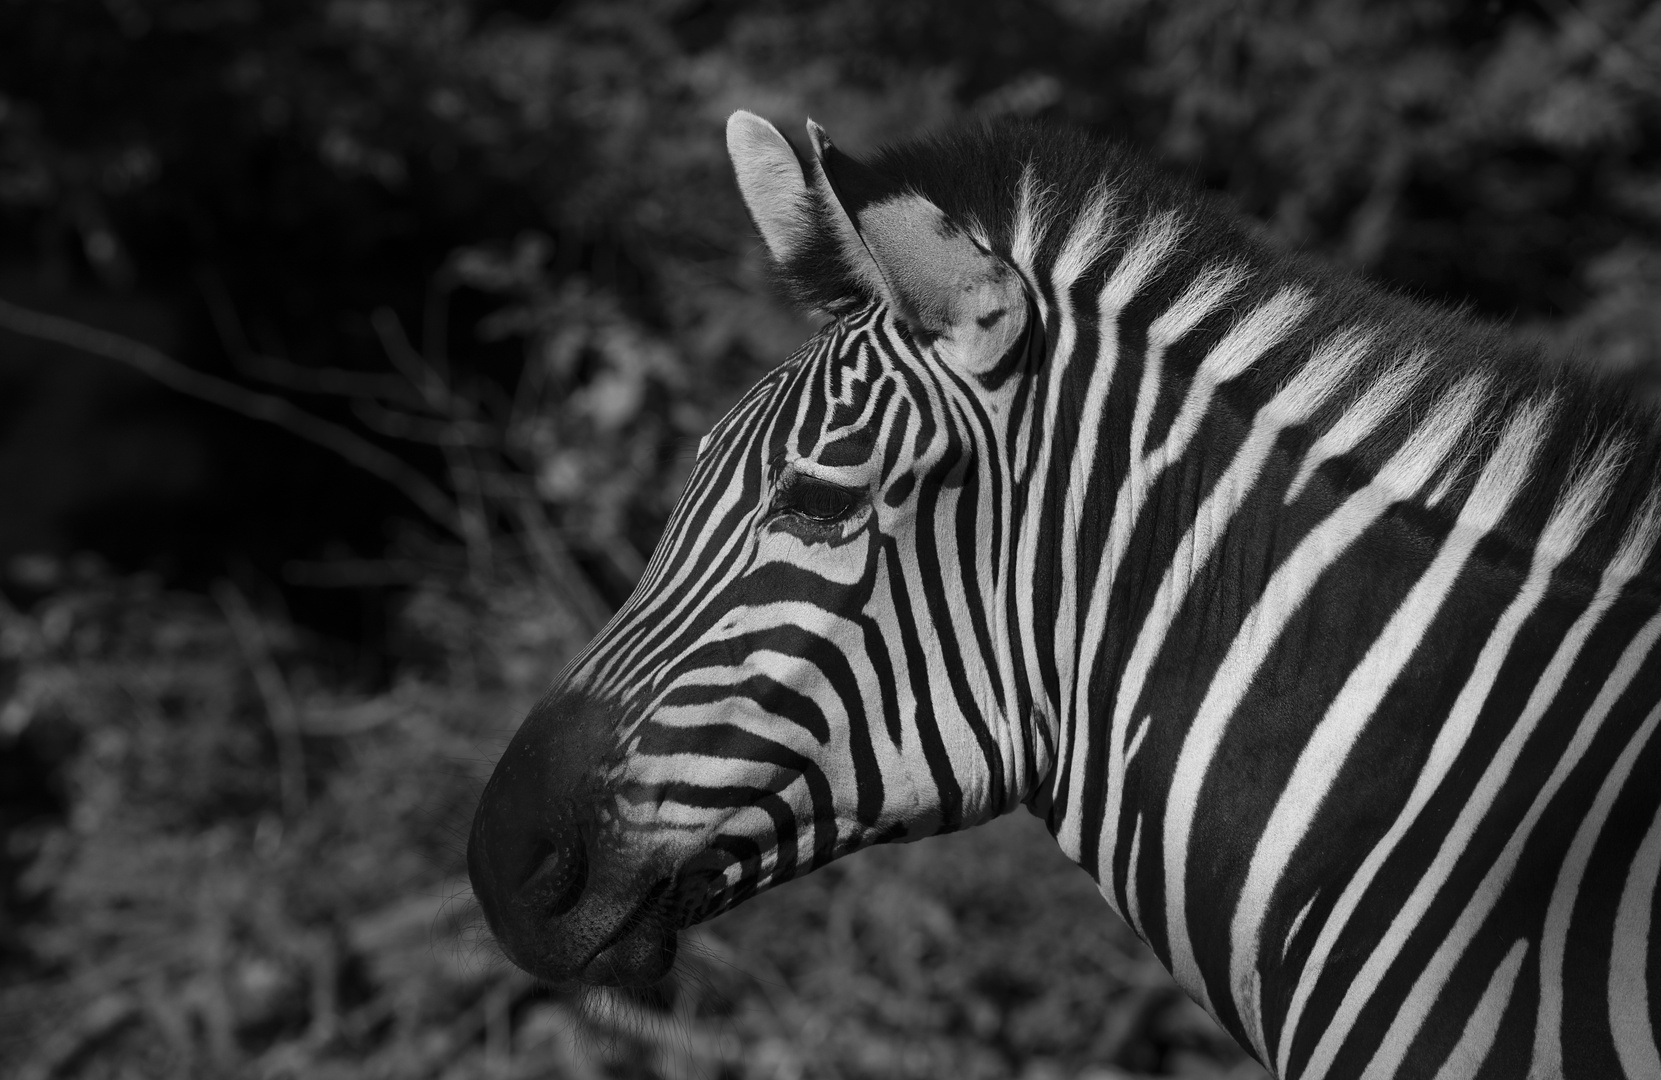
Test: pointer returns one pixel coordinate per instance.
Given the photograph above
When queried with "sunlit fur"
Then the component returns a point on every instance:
(1319, 625)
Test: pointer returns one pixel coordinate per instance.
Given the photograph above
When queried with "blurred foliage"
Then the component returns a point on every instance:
(188, 916)
(543, 185)
(499, 238)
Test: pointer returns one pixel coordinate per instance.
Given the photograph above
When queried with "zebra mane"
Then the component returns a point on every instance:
(1020, 188)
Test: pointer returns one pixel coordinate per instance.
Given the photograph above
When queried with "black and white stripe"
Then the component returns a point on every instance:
(1320, 626)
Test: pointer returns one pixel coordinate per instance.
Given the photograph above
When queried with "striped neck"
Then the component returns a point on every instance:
(1286, 538)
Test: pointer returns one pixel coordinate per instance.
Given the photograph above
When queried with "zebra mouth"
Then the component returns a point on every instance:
(642, 948)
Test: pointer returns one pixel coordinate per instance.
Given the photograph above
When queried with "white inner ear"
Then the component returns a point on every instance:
(770, 180)
(943, 281)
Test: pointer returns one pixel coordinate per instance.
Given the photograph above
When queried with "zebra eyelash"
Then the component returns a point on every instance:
(813, 502)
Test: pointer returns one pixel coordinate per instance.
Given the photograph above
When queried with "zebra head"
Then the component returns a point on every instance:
(815, 659)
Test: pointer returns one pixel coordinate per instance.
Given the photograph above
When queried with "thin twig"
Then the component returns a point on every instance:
(282, 372)
(263, 407)
(409, 362)
(472, 516)
(333, 382)
(280, 710)
(396, 424)
(465, 476)
(557, 566)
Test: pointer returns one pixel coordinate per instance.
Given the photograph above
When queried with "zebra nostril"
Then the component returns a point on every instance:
(558, 875)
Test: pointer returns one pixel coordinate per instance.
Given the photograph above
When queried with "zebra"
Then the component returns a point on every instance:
(1317, 623)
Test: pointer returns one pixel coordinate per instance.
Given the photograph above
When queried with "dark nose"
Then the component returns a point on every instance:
(526, 854)
(563, 898)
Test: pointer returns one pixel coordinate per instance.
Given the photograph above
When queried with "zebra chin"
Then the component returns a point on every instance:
(570, 898)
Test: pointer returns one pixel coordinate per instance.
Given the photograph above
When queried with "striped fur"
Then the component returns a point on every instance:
(1320, 626)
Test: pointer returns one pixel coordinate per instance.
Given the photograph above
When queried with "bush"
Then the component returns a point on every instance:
(206, 904)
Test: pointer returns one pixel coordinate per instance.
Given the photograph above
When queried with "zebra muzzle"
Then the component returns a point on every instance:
(567, 898)
(565, 920)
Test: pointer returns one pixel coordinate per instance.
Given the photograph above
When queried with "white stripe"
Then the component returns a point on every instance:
(1201, 298)
(615, 659)
(1324, 372)
(1627, 562)
(1245, 343)
(1297, 924)
(1401, 476)
(686, 539)
(1136, 738)
(1032, 209)
(1548, 1024)
(1444, 487)
(1629, 997)
(1251, 337)
(1081, 251)
(1430, 982)
(1477, 1039)
(1089, 239)
(1334, 738)
(1383, 399)
(1568, 525)
(1133, 901)
(1023, 252)
(1153, 244)
(1176, 322)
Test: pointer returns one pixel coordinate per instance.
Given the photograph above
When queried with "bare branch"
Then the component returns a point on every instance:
(285, 373)
(336, 382)
(263, 407)
(402, 425)
(557, 566)
(280, 710)
(472, 516)
(409, 362)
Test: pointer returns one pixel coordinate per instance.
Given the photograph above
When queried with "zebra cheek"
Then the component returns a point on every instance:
(840, 561)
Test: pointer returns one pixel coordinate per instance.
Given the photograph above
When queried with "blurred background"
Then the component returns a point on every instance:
(352, 353)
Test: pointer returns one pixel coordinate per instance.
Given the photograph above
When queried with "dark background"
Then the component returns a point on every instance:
(351, 355)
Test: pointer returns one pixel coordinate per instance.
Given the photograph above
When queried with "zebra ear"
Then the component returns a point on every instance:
(771, 181)
(931, 271)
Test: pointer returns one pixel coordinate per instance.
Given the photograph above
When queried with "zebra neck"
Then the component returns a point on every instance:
(1291, 612)
(1262, 457)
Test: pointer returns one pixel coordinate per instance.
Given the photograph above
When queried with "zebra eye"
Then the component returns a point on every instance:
(816, 500)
